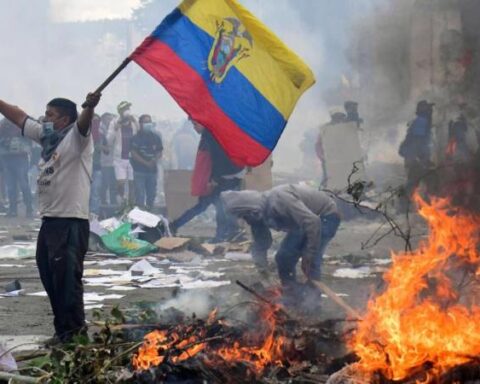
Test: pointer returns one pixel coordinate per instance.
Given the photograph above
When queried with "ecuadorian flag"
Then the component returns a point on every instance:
(228, 72)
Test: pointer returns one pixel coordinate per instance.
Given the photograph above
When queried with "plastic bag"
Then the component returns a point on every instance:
(122, 243)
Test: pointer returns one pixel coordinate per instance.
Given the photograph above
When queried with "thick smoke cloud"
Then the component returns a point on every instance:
(44, 54)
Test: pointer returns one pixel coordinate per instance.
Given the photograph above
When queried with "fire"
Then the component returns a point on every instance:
(270, 350)
(257, 348)
(157, 345)
(427, 315)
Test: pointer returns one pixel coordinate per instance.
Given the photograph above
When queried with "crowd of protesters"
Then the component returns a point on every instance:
(128, 152)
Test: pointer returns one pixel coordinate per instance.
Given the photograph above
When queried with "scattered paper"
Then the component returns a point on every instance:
(337, 294)
(121, 288)
(205, 284)
(144, 267)
(7, 362)
(11, 266)
(96, 228)
(90, 297)
(382, 261)
(147, 219)
(108, 262)
(110, 224)
(93, 306)
(19, 292)
(101, 272)
(40, 294)
(17, 251)
(136, 230)
(353, 273)
(238, 256)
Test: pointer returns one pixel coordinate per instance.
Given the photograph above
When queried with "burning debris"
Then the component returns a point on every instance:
(425, 326)
(269, 347)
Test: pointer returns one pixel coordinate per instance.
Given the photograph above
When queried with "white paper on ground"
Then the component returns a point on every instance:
(353, 273)
(90, 297)
(145, 267)
(136, 230)
(93, 306)
(11, 266)
(147, 219)
(7, 362)
(337, 294)
(19, 292)
(17, 251)
(238, 256)
(110, 224)
(167, 281)
(382, 261)
(121, 288)
(108, 262)
(96, 227)
(102, 272)
(40, 294)
(204, 284)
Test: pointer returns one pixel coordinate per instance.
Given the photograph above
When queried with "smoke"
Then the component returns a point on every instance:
(64, 48)
(191, 301)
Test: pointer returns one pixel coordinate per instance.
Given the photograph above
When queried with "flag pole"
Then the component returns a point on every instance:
(109, 79)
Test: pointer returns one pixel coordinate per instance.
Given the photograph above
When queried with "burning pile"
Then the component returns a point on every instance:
(427, 321)
(270, 344)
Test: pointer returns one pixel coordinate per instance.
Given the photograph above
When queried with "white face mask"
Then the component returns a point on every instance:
(147, 127)
(127, 113)
(48, 127)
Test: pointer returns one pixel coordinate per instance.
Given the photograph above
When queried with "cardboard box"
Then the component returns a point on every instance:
(177, 192)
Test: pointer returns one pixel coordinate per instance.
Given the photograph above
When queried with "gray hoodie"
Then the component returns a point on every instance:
(285, 208)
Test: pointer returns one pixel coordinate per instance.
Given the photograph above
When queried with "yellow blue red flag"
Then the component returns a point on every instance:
(229, 72)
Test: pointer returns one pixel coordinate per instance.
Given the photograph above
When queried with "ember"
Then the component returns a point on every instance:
(268, 344)
(427, 319)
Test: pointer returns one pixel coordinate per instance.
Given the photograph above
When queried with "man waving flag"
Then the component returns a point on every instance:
(229, 72)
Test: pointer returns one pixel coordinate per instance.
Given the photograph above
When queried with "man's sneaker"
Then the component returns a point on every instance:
(53, 341)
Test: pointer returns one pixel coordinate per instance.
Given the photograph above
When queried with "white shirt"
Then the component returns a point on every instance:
(64, 180)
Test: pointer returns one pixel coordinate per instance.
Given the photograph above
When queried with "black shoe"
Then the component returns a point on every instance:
(53, 341)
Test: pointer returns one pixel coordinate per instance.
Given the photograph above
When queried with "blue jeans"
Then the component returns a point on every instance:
(226, 224)
(109, 183)
(145, 188)
(16, 175)
(293, 245)
(95, 192)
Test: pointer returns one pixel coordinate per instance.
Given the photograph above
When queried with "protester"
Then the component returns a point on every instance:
(109, 182)
(14, 155)
(213, 173)
(63, 196)
(119, 137)
(415, 149)
(145, 151)
(351, 109)
(337, 116)
(309, 216)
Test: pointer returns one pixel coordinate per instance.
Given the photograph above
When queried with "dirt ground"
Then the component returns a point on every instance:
(25, 316)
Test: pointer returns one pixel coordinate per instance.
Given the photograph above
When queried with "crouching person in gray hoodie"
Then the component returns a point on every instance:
(310, 218)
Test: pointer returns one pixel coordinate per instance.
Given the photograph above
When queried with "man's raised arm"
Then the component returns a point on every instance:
(85, 118)
(13, 113)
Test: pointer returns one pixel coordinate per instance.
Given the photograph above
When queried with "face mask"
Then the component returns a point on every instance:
(48, 128)
(147, 127)
(126, 114)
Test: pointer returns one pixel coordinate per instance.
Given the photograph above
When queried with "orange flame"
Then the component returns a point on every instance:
(422, 317)
(256, 348)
